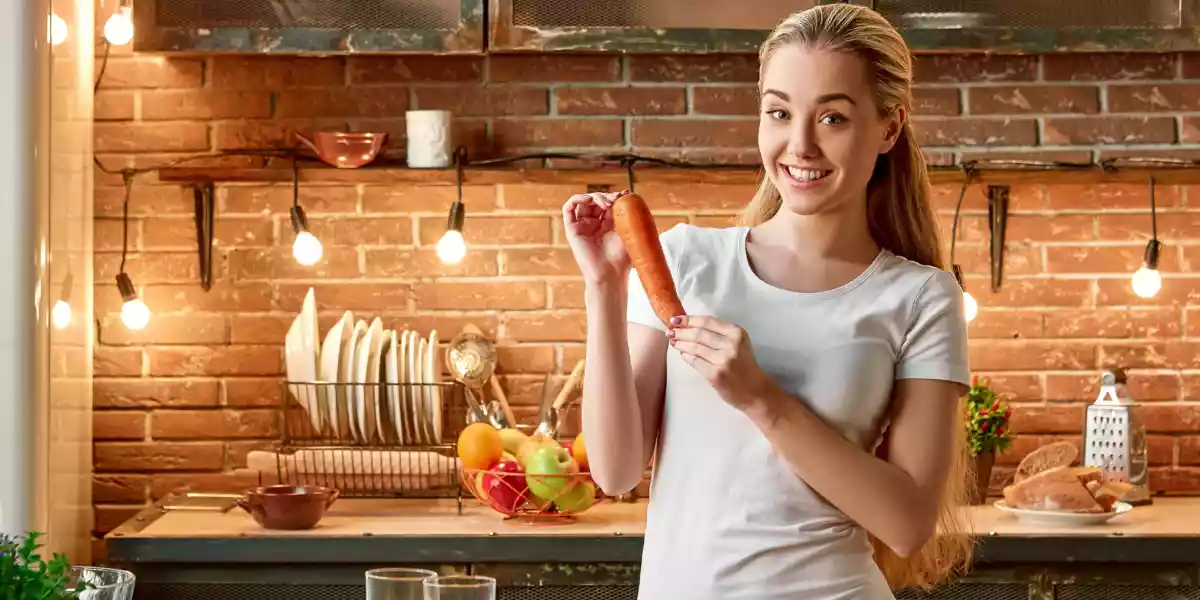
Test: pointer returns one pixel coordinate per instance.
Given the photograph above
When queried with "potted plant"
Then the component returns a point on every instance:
(24, 575)
(988, 432)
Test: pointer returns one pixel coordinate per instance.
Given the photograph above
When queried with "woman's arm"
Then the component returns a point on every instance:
(623, 389)
(896, 500)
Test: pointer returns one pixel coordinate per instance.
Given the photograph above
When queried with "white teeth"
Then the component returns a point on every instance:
(806, 174)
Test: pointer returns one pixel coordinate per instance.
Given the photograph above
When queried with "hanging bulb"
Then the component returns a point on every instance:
(60, 315)
(58, 30)
(118, 30)
(452, 248)
(134, 313)
(1147, 281)
(307, 248)
(970, 307)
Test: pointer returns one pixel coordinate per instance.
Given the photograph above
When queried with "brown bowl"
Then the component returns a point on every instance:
(288, 507)
(345, 150)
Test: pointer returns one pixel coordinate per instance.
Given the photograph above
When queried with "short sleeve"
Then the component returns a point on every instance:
(639, 309)
(935, 345)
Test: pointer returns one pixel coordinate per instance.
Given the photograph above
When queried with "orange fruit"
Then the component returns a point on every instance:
(579, 451)
(480, 446)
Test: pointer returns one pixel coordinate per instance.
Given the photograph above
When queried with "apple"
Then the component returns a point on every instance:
(506, 492)
(578, 498)
(531, 445)
(546, 472)
(512, 439)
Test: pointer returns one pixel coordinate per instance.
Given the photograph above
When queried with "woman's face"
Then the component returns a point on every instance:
(820, 131)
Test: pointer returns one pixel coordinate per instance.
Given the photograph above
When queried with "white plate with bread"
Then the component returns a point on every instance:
(1047, 490)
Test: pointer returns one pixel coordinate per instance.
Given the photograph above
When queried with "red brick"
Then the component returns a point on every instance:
(703, 156)
(277, 199)
(116, 362)
(357, 231)
(524, 359)
(157, 456)
(180, 234)
(1018, 259)
(1191, 259)
(339, 297)
(714, 221)
(470, 133)
(403, 69)
(1189, 450)
(144, 200)
(1109, 130)
(975, 132)
(961, 68)
(1051, 228)
(1137, 227)
(223, 296)
(700, 68)
(516, 133)
(469, 101)
(522, 295)
(1015, 387)
(201, 424)
(278, 263)
(571, 354)
(546, 327)
(119, 488)
(218, 360)
(353, 102)
(236, 452)
(253, 392)
(1172, 354)
(1122, 260)
(695, 132)
(1079, 157)
(1032, 292)
(1006, 324)
(1031, 355)
(1085, 388)
(712, 100)
(428, 199)
(1111, 195)
(1176, 479)
(1172, 418)
(166, 105)
(1160, 450)
(567, 294)
(530, 196)
(258, 328)
(1153, 98)
(145, 268)
(150, 137)
(449, 324)
(113, 106)
(1107, 66)
(108, 234)
(539, 261)
(152, 72)
(1020, 198)
(197, 328)
(621, 100)
(154, 393)
(1033, 99)
(1109, 323)
(553, 68)
(1175, 292)
(276, 72)
(413, 263)
(665, 197)
(1023, 445)
(1055, 418)
(491, 231)
(1193, 322)
(263, 134)
(936, 101)
(108, 518)
(118, 425)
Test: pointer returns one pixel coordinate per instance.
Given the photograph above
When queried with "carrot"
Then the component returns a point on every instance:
(635, 226)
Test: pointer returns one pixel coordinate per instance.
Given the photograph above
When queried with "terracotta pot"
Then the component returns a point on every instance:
(983, 476)
(287, 506)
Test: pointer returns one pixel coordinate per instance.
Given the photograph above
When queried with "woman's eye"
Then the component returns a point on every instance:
(778, 114)
(833, 120)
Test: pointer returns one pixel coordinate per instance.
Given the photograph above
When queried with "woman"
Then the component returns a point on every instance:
(804, 416)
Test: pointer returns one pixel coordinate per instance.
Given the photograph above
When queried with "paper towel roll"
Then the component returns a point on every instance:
(429, 139)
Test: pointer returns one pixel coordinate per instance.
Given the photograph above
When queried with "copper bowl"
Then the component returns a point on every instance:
(345, 150)
(290, 507)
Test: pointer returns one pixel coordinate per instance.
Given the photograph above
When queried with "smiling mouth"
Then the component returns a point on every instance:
(805, 175)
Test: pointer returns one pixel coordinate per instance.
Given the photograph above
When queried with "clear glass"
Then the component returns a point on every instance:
(397, 584)
(105, 584)
(460, 587)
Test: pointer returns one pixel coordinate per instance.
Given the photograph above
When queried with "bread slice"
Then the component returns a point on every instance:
(1057, 489)
(1088, 474)
(1050, 456)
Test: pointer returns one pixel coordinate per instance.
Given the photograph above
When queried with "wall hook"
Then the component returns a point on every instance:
(997, 223)
(203, 195)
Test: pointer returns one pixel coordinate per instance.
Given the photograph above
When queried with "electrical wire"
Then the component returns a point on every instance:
(968, 169)
(128, 179)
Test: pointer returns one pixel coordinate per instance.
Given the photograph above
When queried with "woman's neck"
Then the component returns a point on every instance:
(842, 235)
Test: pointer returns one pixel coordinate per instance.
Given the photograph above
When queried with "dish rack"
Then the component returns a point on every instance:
(390, 461)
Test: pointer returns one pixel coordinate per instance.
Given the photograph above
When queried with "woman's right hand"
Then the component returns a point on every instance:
(588, 224)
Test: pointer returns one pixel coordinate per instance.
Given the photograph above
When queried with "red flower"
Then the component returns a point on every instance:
(1000, 430)
(983, 427)
(974, 380)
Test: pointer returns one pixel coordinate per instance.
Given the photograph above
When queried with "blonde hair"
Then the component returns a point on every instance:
(901, 220)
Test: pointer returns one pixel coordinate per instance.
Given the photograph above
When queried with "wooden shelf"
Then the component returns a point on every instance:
(618, 177)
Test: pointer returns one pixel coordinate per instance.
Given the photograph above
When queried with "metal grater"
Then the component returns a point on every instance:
(1115, 437)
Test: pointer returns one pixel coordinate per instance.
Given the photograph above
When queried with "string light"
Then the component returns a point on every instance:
(1147, 281)
(452, 248)
(58, 30)
(134, 312)
(118, 30)
(970, 305)
(307, 248)
(60, 313)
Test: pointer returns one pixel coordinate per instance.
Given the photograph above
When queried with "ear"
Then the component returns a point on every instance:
(893, 125)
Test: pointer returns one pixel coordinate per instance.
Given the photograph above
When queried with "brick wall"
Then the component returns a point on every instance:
(183, 401)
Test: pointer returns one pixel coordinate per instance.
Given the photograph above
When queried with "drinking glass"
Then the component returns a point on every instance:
(396, 584)
(101, 583)
(460, 587)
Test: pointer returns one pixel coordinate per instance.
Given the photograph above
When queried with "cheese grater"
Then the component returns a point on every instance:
(1115, 437)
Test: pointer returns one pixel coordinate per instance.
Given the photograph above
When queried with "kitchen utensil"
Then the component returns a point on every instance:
(345, 150)
(103, 583)
(397, 584)
(460, 587)
(289, 507)
(544, 415)
(429, 138)
(552, 418)
(1115, 437)
(471, 358)
(498, 392)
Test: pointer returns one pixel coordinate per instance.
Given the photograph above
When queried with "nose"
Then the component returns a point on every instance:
(802, 141)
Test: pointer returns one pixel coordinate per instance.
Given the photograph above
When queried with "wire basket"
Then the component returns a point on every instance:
(372, 440)
(533, 499)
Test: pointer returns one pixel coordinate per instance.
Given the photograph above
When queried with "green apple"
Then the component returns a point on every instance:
(534, 443)
(578, 498)
(512, 438)
(545, 472)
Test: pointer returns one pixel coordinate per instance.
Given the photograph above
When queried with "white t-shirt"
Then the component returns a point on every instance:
(728, 519)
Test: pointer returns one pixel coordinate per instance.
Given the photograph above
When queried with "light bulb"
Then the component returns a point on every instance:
(58, 30)
(970, 307)
(1146, 282)
(118, 30)
(307, 248)
(60, 315)
(135, 314)
(451, 249)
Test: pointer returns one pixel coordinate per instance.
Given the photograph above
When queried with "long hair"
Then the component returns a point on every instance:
(900, 219)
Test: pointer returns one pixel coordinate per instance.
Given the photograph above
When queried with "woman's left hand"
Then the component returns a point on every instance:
(721, 352)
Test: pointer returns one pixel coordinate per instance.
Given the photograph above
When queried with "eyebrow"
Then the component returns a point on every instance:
(822, 99)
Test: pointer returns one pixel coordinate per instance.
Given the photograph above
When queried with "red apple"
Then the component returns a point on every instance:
(506, 492)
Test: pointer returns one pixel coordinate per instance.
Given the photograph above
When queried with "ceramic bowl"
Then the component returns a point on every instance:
(289, 507)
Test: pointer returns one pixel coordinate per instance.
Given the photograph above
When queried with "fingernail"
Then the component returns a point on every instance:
(677, 320)
(671, 334)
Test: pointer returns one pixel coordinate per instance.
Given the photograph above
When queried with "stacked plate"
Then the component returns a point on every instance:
(365, 384)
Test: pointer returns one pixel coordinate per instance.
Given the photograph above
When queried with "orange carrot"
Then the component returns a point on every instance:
(636, 228)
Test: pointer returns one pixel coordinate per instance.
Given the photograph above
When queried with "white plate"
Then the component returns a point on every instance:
(364, 394)
(402, 389)
(1058, 518)
(391, 375)
(412, 376)
(331, 350)
(383, 420)
(433, 374)
(303, 357)
(347, 369)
